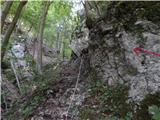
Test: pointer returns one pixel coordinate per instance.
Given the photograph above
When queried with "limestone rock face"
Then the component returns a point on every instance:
(80, 40)
(111, 49)
(23, 56)
(116, 62)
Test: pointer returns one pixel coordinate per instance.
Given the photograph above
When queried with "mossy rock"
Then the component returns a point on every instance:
(128, 12)
(131, 70)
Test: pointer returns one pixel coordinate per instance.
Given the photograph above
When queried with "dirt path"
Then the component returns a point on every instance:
(59, 98)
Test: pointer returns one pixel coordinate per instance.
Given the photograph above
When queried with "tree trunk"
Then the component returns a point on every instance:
(57, 40)
(34, 47)
(60, 42)
(65, 38)
(5, 11)
(11, 28)
(40, 37)
(63, 50)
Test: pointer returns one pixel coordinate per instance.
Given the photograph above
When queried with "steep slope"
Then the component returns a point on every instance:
(117, 53)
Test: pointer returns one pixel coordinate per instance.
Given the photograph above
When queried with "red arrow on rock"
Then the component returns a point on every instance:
(138, 50)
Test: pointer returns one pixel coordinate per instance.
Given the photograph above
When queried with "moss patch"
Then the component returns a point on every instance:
(128, 12)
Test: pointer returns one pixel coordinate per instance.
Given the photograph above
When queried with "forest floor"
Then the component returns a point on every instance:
(60, 102)
(52, 96)
(65, 93)
(59, 99)
(56, 95)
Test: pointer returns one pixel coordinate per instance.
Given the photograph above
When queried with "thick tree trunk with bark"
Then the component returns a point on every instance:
(11, 28)
(5, 11)
(40, 37)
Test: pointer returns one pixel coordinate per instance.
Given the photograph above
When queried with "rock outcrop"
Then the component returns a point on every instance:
(115, 30)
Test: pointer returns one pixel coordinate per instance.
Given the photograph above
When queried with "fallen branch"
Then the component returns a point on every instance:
(15, 73)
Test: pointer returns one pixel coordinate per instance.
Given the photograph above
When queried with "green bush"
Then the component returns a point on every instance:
(155, 111)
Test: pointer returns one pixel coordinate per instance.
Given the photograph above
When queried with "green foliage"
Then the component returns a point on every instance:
(114, 99)
(4, 94)
(109, 100)
(37, 94)
(31, 13)
(30, 60)
(28, 109)
(59, 19)
(36, 82)
(149, 100)
(68, 52)
(14, 7)
(86, 113)
(128, 116)
(58, 10)
(155, 111)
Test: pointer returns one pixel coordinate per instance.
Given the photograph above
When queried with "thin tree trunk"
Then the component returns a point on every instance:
(63, 49)
(61, 39)
(60, 42)
(57, 40)
(5, 11)
(40, 37)
(65, 37)
(11, 28)
(34, 48)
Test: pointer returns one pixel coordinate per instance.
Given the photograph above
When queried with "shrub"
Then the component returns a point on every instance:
(155, 111)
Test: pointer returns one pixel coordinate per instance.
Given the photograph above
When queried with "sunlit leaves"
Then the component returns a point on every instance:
(59, 14)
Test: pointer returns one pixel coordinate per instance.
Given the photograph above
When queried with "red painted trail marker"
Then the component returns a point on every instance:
(139, 50)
